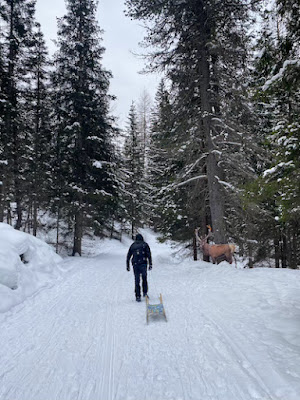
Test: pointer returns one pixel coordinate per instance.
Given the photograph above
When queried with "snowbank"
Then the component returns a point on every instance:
(18, 279)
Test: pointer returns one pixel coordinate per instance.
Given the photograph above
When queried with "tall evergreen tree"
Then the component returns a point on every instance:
(171, 159)
(277, 74)
(3, 100)
(37, 109)
(86, 184)
(202, 47)
(134, 195)
(143, 118)
(143, 110)
(17, 21)
(159, 156)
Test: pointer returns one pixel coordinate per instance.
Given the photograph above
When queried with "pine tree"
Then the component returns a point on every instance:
(17, 19)
(277, 73)
(203, 50)
(173, 213)
(143, 120)
(38, 108)
(3, 101)
(134, 194)
(85, 180)
(159, 157)
(143, 111)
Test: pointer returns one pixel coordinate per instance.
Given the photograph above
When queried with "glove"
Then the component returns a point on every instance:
(128, 268)
(150, 267)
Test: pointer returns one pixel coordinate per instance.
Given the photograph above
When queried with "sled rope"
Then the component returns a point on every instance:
(153, 284)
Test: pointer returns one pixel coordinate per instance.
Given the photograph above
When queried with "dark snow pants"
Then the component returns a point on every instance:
(138, 271)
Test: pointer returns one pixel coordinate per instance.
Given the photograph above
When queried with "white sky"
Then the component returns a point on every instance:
(121, 37)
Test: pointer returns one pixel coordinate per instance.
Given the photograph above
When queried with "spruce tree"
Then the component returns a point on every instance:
(3, 100)
(159, 156)
(17, 18)
(143, 111)
(277, 74)
(170, 160)
(134, 194)
(143, 119)
(38, 109)
(85, 180)
(202, 48)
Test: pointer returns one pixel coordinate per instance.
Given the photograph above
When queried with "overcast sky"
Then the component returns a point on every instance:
(121, 37)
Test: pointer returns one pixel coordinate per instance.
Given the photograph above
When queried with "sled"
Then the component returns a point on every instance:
(155, 309)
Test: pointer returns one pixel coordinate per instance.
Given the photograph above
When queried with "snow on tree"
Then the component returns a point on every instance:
(203, 51)
(133, 193)
(37, 111)
(16, 19)
(277, 75)
(86, 184)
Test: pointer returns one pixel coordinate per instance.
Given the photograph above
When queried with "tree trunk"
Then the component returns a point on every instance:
(112, 229)
(35, 208)
(57, 228)
(283, 250)
(78, 232)
(36, 149)
(289, 248)
(250, 255)
(2, 194)
(19, 207)
(216, 199)
(133, 221)
(8, 216)
(277, 253)
(294, 247)
(28, 223)
(214, 173)
(195, 247)
(204, 223)
(12, 115)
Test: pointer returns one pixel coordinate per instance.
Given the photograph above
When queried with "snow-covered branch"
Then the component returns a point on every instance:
(227, 185)
(277, 167)
(281, 73)
(194, 165)
(191, 179)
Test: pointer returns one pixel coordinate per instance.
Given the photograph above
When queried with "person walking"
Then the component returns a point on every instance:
(140, 253)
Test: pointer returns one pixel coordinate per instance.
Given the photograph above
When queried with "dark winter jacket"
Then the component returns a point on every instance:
(140, 252)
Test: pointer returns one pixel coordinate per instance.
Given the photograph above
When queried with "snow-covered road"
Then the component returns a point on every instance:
(232, 334)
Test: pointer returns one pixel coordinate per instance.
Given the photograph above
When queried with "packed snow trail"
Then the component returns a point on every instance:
(231, 334)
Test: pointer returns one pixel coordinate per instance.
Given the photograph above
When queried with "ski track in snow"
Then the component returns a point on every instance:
(85, 338)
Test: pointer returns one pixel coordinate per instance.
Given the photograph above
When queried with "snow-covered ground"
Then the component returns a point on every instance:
(232, 334)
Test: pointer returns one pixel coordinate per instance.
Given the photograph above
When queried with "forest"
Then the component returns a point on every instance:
(219, 146)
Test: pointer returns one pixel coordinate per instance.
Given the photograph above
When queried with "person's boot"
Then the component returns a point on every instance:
(138, 298)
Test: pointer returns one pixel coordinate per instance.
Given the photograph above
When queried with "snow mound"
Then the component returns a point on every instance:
(21, 278)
